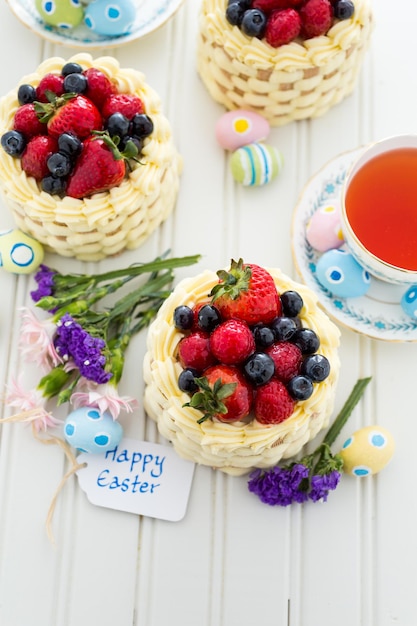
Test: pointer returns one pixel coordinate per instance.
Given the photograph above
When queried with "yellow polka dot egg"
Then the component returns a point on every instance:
(367, 451)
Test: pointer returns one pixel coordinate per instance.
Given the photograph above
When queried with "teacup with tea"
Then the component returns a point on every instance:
(379, 209)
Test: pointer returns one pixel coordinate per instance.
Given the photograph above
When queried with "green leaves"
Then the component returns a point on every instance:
(233, 282)
(210, 399)
(79, 295)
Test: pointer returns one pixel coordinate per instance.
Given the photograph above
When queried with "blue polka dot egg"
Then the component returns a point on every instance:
(19, 253)
(89, 430)
(409, 301)
(110, 17)
(367, 451)
(340, 273)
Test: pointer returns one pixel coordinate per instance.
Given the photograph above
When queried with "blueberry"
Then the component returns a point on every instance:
(235, 12)
(59, 164)
(298, 322)
(75, 83)
(300, 387)
(343, 9)
(307, 340)
(283, 328)
(71, 68)
(13, 143)
(208, 318)
(26, 94)
(259, 368)
(292, 303)
(69, 144)
(118, 124)
(263, 335)
(253, 23)
(141, 125)
(316, 367)
(183, 317)
(53, 185)
(135, 140)
(186, 380)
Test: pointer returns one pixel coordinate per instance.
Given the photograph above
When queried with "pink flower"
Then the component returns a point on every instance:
(35, 341)
(31, 405)
(103, 397)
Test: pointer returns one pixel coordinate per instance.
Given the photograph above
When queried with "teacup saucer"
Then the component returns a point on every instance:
(150, 15)
(378, 314)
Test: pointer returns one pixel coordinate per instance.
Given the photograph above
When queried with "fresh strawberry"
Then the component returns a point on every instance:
(27, 122)
(53, 83)
(99, 87)
(273, 404)
(232, 342)
(70, 114)
(35, 157)
(282, 27)
(194, 351)
(124, 103)
(224, 394)
(246, 292)
(287, 358)
(267, 6)
(316, 18)
(99, 167)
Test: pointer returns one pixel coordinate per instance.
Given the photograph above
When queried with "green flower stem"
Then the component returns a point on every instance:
(141, 295)
(53, 382)
(346, 411)
(132, 271)
(65, 394)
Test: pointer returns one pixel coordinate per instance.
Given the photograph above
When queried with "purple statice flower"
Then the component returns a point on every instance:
(45, 280)
(72, 341)
(321, 484)
(280, 485)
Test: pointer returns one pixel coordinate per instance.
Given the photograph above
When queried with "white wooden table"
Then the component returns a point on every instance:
(232, 560)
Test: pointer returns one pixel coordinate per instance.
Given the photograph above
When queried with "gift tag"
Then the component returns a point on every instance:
(138, 477)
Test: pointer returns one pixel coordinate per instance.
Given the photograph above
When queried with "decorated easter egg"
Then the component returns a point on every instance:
(240, 128)
(89, 430)
(340, 273)
(367, 451)
(19, 253)
(256, 164)
(324, 231)
(409, 301)
(110, 17)
(61, 13)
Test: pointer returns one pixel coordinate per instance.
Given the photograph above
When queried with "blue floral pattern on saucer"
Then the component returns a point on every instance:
(378, 314)
(150, 14)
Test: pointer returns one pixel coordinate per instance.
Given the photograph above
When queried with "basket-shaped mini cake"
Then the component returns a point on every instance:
(235, 448)
(299, 80)
(104, 223)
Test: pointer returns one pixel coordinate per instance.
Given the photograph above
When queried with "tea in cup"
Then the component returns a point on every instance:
(379, 209)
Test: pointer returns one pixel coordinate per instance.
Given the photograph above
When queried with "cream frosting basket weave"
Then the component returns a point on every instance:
(105, 223)
(292, 82)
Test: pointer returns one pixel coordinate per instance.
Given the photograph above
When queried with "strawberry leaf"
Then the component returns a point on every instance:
(233, 282)
(210, 399)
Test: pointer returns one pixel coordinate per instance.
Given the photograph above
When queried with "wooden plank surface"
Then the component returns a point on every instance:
(231, 561)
